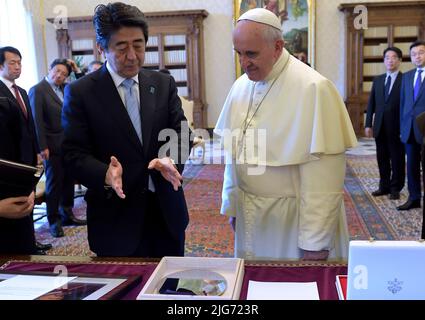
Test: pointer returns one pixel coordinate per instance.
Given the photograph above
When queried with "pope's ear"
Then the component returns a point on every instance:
(279, 44)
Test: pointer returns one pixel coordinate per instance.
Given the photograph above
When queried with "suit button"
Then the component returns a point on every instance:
(144, 190)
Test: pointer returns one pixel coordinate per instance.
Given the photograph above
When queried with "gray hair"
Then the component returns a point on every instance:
(272, 34)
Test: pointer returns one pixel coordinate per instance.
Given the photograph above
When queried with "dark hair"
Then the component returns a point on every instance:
(95, 62)
(416, 44)
(110, 18)
(164, 71)
(3, 51)
(63, 62)
(91, 64)
(396, 50)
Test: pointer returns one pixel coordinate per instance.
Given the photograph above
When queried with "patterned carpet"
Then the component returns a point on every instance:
(209, 234)
(376, 216)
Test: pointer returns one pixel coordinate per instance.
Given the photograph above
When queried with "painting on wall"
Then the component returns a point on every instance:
(298, 24)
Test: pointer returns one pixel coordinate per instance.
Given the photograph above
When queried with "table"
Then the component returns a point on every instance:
(324, 273)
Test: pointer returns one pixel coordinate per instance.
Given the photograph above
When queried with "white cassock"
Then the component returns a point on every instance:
(286, 178)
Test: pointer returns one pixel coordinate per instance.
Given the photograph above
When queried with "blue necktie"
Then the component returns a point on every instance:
(132, 105)
(387, 87)
(417, 85)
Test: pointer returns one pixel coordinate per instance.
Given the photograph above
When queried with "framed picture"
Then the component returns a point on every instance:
(298, 24)
(84, 286)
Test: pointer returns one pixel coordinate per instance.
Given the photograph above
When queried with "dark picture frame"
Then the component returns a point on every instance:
(84, 286)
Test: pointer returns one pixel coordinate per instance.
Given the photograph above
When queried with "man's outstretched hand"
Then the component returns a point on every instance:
(113, 177)
(168, 171)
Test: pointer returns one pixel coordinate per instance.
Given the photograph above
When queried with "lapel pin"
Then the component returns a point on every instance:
(151, 90)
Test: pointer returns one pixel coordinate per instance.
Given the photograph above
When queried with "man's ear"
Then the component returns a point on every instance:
(100, 50)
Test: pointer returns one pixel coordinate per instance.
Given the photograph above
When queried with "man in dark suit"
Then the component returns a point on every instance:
(384, 103)
(116, 120)
(17, 143)
(420, 121)
(16, 225)
(46, 100)
(412, 103)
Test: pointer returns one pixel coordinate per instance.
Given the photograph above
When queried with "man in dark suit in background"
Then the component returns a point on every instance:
(113, 120)
(46, 100)
(384, 103)
(412, 103)
(17, 143)
(420, 121)
(94, 66)
(16, 225)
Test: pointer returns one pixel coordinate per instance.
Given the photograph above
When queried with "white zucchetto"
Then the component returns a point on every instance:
(263, 16)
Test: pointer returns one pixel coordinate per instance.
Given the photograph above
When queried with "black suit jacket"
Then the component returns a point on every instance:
(17, 143)
(387, 113)
(410, 108)
(47, 111)
(25, 147)
(96, 127)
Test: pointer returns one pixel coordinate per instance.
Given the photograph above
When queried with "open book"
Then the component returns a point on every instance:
(17, 179)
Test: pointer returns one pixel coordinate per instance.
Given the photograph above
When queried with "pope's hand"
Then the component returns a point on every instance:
(113, 177)
(232, 222)
(168, 171)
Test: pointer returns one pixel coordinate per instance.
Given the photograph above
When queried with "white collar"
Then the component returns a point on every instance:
(7, 82)
(118, 80)
(52, 84)
(278, 66)
(393, 74)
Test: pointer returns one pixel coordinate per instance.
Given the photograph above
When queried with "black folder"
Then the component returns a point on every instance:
(17, 179)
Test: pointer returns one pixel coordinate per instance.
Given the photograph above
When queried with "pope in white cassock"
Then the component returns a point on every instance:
(284, 174)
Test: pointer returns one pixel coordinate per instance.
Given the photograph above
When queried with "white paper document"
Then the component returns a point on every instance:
(282, 291)
(22, 287)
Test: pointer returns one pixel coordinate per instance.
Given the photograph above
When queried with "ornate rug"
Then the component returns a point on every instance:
(209, 233)
(376, 217)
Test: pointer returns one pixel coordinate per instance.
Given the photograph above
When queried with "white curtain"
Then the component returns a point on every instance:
(16, 31)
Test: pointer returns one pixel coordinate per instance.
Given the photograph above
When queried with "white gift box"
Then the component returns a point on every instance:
(386, 270)
(230, 269)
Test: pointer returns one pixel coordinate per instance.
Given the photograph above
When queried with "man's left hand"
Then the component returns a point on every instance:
(74, 66)
(168, 171)
(315, 255)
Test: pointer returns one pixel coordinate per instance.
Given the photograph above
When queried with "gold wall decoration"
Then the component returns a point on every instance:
(298, 24)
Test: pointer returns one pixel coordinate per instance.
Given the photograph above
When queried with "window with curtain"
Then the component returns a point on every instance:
(16, 31)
